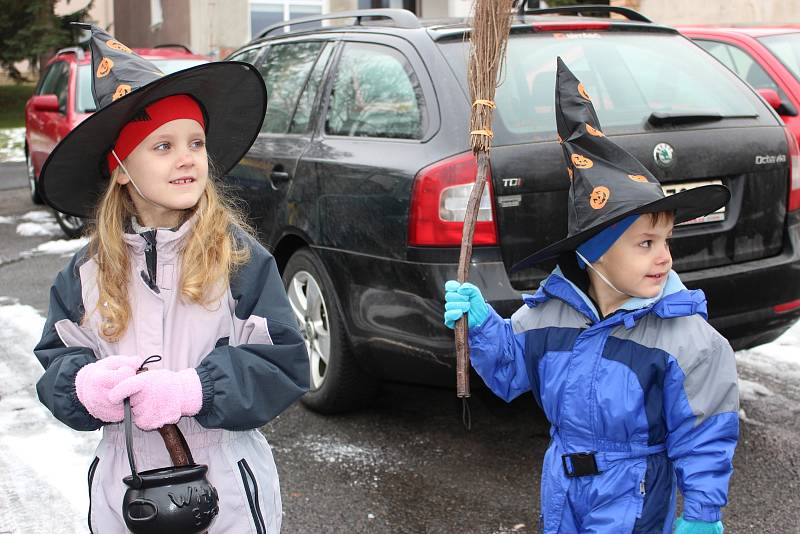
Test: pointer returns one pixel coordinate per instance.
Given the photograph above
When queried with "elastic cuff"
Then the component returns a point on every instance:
(693, 511)
(207, 388)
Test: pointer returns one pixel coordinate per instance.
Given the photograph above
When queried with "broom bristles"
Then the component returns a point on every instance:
(490, 25)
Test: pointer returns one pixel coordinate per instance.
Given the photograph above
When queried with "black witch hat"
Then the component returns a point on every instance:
(607, 183)
(231, 95)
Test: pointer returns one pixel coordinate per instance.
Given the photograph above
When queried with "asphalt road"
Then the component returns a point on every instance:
(406, 464)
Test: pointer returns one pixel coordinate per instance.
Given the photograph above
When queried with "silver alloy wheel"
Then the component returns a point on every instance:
(309, 309)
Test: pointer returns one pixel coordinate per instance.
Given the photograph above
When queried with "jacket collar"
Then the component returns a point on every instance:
(675, 300)
(167, 240)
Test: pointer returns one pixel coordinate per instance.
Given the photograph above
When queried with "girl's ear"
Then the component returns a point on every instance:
(122, 178)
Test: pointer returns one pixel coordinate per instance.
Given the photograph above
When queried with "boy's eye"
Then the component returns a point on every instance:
(646, 244)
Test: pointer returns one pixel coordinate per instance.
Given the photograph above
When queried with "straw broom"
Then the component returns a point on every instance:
(488, 38)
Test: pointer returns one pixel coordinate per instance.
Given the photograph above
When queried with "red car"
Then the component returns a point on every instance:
(766, 57)
(63, 98)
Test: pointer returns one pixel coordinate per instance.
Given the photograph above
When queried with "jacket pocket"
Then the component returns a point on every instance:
(92, 469)
(251, 490)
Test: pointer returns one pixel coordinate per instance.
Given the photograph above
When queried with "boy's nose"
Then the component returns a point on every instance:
(665, 256)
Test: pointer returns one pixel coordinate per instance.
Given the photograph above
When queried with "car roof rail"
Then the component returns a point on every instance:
(174, 45)
(77, 50)
(579, 10)
(400, 18)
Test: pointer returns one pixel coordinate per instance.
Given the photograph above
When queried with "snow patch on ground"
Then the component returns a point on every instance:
(61, 246)
(37, 216)
(779, 360)
(32, 229)
(44, 463)
(12, 144)
(6, 220)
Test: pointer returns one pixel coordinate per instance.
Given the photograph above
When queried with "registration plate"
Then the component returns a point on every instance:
(671, 189)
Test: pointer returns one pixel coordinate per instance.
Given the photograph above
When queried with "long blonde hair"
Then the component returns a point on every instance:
(208, 256)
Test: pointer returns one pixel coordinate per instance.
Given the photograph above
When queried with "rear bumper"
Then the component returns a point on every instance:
(393, 308)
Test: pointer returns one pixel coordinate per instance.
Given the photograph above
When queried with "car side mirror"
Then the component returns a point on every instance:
(772, 98)
(45, 103)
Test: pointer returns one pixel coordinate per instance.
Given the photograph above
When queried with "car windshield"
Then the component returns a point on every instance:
(787, 48)
(636, 81)
(84, 102)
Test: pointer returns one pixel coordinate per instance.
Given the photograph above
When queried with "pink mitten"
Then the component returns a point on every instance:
(161, 396)
(95, 380)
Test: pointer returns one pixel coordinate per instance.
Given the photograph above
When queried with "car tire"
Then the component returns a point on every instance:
(32, 183)
(338, 384)
(73, 227)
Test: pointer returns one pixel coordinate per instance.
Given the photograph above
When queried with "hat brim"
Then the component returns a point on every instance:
(231, 93)
(687, 205)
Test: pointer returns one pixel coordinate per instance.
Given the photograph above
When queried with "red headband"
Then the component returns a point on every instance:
(156, 114)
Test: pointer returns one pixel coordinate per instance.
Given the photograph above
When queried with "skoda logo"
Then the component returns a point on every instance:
(663, 154)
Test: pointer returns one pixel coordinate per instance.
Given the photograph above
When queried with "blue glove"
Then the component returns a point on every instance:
(464, 298)
(684, 526)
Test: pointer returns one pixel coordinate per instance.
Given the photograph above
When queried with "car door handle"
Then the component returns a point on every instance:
(279, 176)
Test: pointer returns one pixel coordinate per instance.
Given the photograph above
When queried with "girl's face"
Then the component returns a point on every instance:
(170, 166)
(639, 261)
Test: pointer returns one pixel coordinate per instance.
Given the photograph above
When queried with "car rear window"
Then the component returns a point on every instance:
(628, 75)
(787, 48)
(84, 102)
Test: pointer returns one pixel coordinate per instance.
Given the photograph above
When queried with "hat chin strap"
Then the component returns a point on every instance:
(606, 280)
(122, 166)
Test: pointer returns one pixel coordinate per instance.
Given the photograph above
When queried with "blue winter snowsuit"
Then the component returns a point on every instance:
(651, 389)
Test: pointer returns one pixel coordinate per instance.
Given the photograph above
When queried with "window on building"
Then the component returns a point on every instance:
(285, 69)
(375, 94)
(265, 13)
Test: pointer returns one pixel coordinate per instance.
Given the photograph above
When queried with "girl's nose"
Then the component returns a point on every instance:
(186, 158)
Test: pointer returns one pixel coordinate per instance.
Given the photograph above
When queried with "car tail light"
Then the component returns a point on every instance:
(439, 203)
(786, 306)
(794, 170)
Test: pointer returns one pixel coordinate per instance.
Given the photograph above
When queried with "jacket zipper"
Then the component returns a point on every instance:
(151, 260)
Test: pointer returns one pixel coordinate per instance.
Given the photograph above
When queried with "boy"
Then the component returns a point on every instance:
(639, 389)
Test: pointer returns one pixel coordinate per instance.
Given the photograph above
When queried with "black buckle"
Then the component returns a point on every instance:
(581, 464)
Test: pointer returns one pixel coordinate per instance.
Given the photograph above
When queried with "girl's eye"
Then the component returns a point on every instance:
(199, 143)
(162, 146)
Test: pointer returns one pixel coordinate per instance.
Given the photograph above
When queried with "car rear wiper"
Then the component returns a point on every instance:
(657, 118)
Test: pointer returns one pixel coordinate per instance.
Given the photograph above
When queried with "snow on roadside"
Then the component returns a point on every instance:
(12, 144)
(61, 246)
(44, 463)
(779, 359)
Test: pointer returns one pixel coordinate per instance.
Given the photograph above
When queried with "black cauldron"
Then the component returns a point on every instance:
(168, 500)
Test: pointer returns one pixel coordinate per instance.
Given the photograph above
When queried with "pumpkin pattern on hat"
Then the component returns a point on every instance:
(581, 162)
(583, 93)
(116, 45)
(594, 131)
(104, 67)
(638, 178)
(122, 90)
(599, 197)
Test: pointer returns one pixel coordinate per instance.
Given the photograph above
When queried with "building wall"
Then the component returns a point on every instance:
(717, 11)
(132, 23)
(218, 27)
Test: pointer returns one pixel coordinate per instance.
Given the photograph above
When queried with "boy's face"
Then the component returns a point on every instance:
(639, 261)
(170, 166)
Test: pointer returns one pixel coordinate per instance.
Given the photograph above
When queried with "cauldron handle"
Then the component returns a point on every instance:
(173, 438)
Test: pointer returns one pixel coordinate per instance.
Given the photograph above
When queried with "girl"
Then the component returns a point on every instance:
(169, 270)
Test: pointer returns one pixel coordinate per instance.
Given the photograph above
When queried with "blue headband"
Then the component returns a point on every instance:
(598, 245)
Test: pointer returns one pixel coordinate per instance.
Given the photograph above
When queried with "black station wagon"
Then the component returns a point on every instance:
(359, 180)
